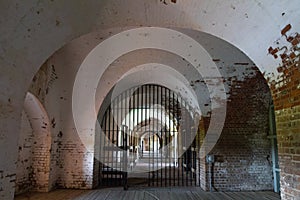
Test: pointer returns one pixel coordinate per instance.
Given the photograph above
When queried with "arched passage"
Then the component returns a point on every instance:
(66, 65)
(160, 128)
(262, 23)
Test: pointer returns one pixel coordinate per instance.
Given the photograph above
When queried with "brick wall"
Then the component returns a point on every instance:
(76, 165)
(243, 152)
(286, 96)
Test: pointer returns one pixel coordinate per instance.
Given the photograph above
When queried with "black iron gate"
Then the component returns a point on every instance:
(149, 138)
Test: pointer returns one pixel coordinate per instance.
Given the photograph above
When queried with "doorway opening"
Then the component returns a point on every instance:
(149, 136)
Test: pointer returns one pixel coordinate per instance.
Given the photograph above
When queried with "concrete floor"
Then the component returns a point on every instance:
(147, 194)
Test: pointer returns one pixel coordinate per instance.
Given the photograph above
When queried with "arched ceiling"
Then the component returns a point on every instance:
(228, 59)
(140, 64)
(33, 26)
(99, 59)
(31, 31)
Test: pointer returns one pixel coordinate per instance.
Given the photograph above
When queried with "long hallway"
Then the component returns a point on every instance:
(147, 194)
(160, 96)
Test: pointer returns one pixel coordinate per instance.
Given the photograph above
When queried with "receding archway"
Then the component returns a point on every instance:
(158, 145)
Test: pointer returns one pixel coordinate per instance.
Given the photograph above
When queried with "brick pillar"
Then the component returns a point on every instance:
(286, 97)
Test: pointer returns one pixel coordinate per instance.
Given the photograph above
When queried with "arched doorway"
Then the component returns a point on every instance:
(149, 135)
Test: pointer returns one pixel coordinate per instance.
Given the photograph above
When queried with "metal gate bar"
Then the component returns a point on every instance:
(154, 137)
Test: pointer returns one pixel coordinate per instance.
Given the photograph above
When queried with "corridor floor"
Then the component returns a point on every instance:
(147, 194)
